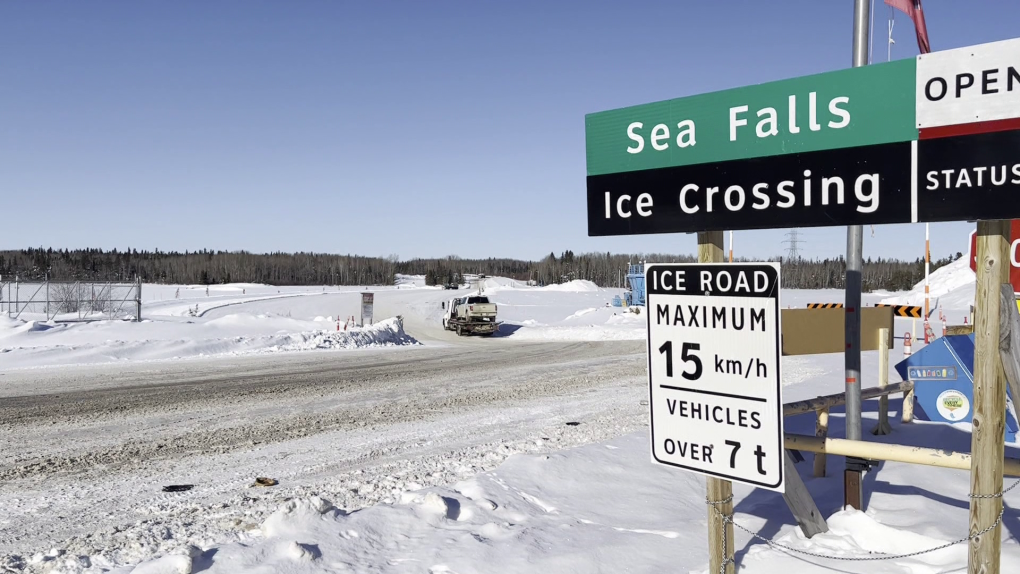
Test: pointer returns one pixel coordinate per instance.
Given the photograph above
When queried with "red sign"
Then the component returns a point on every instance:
(1014, 254)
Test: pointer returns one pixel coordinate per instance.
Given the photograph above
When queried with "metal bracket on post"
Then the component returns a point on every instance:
(860, 464)
(853, 481)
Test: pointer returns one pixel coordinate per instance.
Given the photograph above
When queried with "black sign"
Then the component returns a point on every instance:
(846, 186)
(966, 178)
(729, 280)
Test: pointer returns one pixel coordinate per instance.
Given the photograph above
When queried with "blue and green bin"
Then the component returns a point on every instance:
(943, 376)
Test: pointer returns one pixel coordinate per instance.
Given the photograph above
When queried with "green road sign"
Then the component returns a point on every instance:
(847, 108)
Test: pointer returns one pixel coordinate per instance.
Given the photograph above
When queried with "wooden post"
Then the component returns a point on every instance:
(821, 431)
(989, 420)
(797, 497)
(829, 401)
(720, 531)
(1009, 339)
(908, 406)
(883, 381)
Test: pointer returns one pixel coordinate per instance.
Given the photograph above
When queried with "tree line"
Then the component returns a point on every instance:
(876, 274)
(207, 267)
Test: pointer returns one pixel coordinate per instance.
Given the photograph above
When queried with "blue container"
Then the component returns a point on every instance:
(617, 302)
(943, 376)
(636, 280)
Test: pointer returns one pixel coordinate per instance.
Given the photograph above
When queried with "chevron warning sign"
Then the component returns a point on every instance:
(824, 305)
(905, 310)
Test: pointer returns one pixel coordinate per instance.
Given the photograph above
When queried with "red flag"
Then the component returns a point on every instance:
(912, 8)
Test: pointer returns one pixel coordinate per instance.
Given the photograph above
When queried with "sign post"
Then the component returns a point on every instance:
(921, 140)
(989, 421)
(714, 348)
(366, 308)
(714, 383)
(718, 492)
(853, 493)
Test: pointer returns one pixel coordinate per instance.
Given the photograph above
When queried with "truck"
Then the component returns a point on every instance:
(471, 314)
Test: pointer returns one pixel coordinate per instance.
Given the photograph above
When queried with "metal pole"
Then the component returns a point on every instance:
(852, 329)
(138, 301)
(927, 270)
(871, 31)
(889, 42)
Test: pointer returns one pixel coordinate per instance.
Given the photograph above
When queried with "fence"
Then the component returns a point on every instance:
(71, 300)
(805, 511)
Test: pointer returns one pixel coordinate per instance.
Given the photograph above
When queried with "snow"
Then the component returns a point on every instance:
(951, 287)
(188, 321)
(606, 508)
(517, 506)
(573, 311)
(575, 286)
(27, 344)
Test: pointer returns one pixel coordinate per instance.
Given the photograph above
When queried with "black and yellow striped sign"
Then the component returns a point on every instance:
(905, 310)
(824, 305)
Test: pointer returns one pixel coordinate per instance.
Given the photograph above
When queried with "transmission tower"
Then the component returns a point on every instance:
(793, 252)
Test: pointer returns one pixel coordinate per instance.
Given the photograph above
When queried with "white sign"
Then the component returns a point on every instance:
(953, 405)
(969, 85)
(713, 370)
(366, 308)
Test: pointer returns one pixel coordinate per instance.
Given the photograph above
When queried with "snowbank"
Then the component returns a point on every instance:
(388, 333)
(492, 284)
(408, 281)
(606, 508)
(951, 285)
(575, 286)
(575, 311)
(27, 344)
(606, 324)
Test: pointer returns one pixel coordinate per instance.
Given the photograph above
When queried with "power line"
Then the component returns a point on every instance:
(794, 241)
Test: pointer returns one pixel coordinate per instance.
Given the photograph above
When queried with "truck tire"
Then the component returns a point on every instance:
(460, 330)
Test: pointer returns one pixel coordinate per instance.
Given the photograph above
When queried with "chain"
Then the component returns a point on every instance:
(882, 556)
(726, 518)
(1000, 495)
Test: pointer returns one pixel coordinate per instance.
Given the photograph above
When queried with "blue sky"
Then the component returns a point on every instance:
(411, 128)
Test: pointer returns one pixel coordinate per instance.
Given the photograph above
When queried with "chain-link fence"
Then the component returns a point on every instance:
(71, 300)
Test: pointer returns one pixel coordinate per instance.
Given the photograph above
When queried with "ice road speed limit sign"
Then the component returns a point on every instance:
(713, 370)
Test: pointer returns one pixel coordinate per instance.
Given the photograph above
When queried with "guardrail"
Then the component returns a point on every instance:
(821, 406)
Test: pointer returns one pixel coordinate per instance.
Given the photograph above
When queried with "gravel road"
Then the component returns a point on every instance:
(84, 453)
